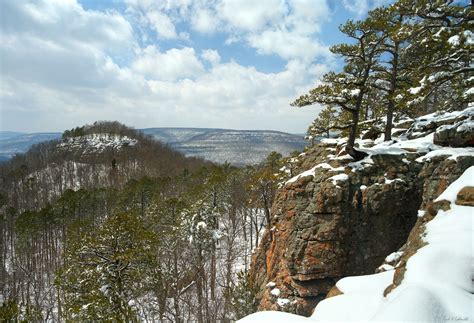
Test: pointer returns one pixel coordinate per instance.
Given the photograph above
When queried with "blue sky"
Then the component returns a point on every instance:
(156, 63)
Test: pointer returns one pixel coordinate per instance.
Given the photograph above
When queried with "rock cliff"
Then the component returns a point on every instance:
(342, 218)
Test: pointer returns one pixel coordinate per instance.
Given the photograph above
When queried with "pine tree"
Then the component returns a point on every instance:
(442, 50)
(323, 124)
(104, 270)
(392, 73)
(348, 88)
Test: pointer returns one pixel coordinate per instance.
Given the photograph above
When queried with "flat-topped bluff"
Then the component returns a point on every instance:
(341, 217)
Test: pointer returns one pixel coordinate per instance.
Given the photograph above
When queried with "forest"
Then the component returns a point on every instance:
(140, 233)
(107, 224)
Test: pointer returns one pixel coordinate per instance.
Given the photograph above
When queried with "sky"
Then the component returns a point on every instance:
(234, 64)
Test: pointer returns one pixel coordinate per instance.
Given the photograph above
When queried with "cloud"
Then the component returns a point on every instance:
(204, 20)
(288, 45)
(171, 65)
(286, 28)
(63, 66)
(212, 56)
(361, 7)
(162, 25)
(251, 15)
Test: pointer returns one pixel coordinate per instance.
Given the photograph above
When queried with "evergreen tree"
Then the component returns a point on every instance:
(442, 50)
(348, 88)
(104, 270)
(391, 71)
(323, 124)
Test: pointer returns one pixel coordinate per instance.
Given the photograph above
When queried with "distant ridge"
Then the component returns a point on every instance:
(239, 147)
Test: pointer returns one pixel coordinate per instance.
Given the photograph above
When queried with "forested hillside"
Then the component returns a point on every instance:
(107, 223)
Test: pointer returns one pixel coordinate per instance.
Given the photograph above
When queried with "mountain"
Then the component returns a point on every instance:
(239, 147)
(12, 143)
(234, 146)
(105, 154)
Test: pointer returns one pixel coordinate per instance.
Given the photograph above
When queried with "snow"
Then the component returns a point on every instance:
(271, 284)
(401, 146)
(332, 141)
(309, 172)
(327, 166)
(454, 40)
(469, 35)
(421, 213)
(394, 256)
(274, 317)
(201, 225)
(283, 301)
(363, 187)
(451, 153)
(466, 179)
(275, 292)
(415, 90)
(386, 267)
(360, 301)
(390, 181)
(373, 283)
(339, 177)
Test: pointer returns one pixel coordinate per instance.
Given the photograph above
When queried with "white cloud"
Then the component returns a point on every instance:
(284, 28)
(251, 15)
(204, 20)
(211, 55)
(288, 45)
(63, 66)
(162, 25)
(171, 65)
(287, 28)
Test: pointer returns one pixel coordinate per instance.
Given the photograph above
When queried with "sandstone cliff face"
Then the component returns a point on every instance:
(344, 218)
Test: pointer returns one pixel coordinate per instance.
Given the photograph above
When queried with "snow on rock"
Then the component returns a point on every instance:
(97, 142)
(329, 167)
(275, 292)
(394, 256)
(309, 172)
(450, 153)
(282, 302)
(271, 284)
(436, 286)
(466, 179)
(374, 283)
(339, 177)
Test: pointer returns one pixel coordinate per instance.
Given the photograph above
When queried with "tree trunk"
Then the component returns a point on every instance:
(391, 99)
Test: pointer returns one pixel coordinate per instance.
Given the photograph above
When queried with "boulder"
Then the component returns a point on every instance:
(461, 134)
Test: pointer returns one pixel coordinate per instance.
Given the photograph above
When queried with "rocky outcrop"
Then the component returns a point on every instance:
(342, 218)
(460, 134)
